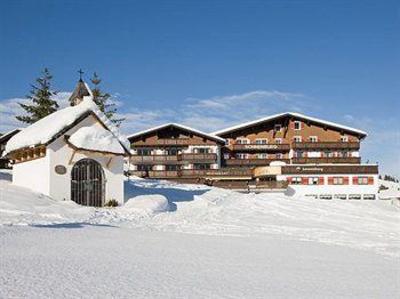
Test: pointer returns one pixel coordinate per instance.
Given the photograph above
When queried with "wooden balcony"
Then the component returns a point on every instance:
(229, 172)
(197, 157)
(252, 162)
(344, 160)
(173, 159)
(327, 145)
(169, 142)
(153, 159)
(163, 174)
(260, 147)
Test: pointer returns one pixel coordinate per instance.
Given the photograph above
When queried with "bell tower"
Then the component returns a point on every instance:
(81, 90)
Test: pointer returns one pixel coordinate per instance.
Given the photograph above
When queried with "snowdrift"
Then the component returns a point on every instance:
(195, 209)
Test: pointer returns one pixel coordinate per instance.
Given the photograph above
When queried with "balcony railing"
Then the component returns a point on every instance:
(250, 162)
(350, 160)
(170, 142)
(260, 147)
(229, 172)
(197, 157)
(326, 145)
(153, 158)
(163, 173)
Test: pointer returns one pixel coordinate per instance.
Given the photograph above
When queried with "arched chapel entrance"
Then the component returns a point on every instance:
(88, 183)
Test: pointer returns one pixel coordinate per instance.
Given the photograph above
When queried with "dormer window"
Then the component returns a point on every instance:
(313, 139)
(344, 138)
(278, 140)
(278, 127)
(297, 125)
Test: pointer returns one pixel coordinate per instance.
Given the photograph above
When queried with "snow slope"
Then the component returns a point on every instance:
(192, 241)
(90, 261)
(195, 209)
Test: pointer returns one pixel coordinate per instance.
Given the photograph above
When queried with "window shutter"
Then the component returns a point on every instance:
(370, 180)
(305, 154)
(301, 125)
(330, 180)
(292, 125)
(355, 180)
(304, 181)
(345, 180)
(289, 179)
(320, 180)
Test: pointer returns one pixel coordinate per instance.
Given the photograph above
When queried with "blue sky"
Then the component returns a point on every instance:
(211, 64)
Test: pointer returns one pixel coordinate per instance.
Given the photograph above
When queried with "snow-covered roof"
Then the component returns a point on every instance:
(96, 139)
(183, 127)
(9, 133)
(293, 114)
(46, 129)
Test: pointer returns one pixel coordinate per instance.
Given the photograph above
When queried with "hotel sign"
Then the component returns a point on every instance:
(259, 146)
(330, 169)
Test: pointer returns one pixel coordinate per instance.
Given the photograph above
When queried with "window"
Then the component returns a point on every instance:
(201, 166)
(299, 154)
(241, 156)
(202, 150)
(328, 154)
(279, 156)
(296, 181)
(278, 127)
(344, 138)
(325, 196)
(297, 125)
(144, 152)
(313, 180)
(355, 196)
(171, 167)
(261, 141)
(171, 151)
(297, 138)
(369, 196)
(340, 196)
(262, 156)
(362, 180)
(142, 167)
(278, 140)
(338, 181)
(313, 139)
(242, 141)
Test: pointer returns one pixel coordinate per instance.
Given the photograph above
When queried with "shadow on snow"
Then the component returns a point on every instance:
(173, 195)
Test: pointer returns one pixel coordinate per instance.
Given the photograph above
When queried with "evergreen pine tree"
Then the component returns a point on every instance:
(103, 101)
(41, 97)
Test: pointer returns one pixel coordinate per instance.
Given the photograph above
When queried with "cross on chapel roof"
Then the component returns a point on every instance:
(81, 90)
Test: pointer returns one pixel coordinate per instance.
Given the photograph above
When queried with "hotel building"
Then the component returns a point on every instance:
(292, 152)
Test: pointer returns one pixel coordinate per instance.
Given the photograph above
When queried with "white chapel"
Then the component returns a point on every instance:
(75, 153)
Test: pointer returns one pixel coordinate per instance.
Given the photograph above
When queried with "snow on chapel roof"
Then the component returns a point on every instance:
(294, 114)
(48, 128)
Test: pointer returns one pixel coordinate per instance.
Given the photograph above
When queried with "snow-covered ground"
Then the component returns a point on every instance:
(171, 240)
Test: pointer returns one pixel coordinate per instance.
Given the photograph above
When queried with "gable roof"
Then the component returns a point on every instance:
(47, 129)
(179, 126)
(6, 136)
(290, 114)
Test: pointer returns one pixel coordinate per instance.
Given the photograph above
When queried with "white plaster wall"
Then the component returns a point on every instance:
(60, 153)
(355, 154)
(334, 189)
(314, 154)
(33, 174)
